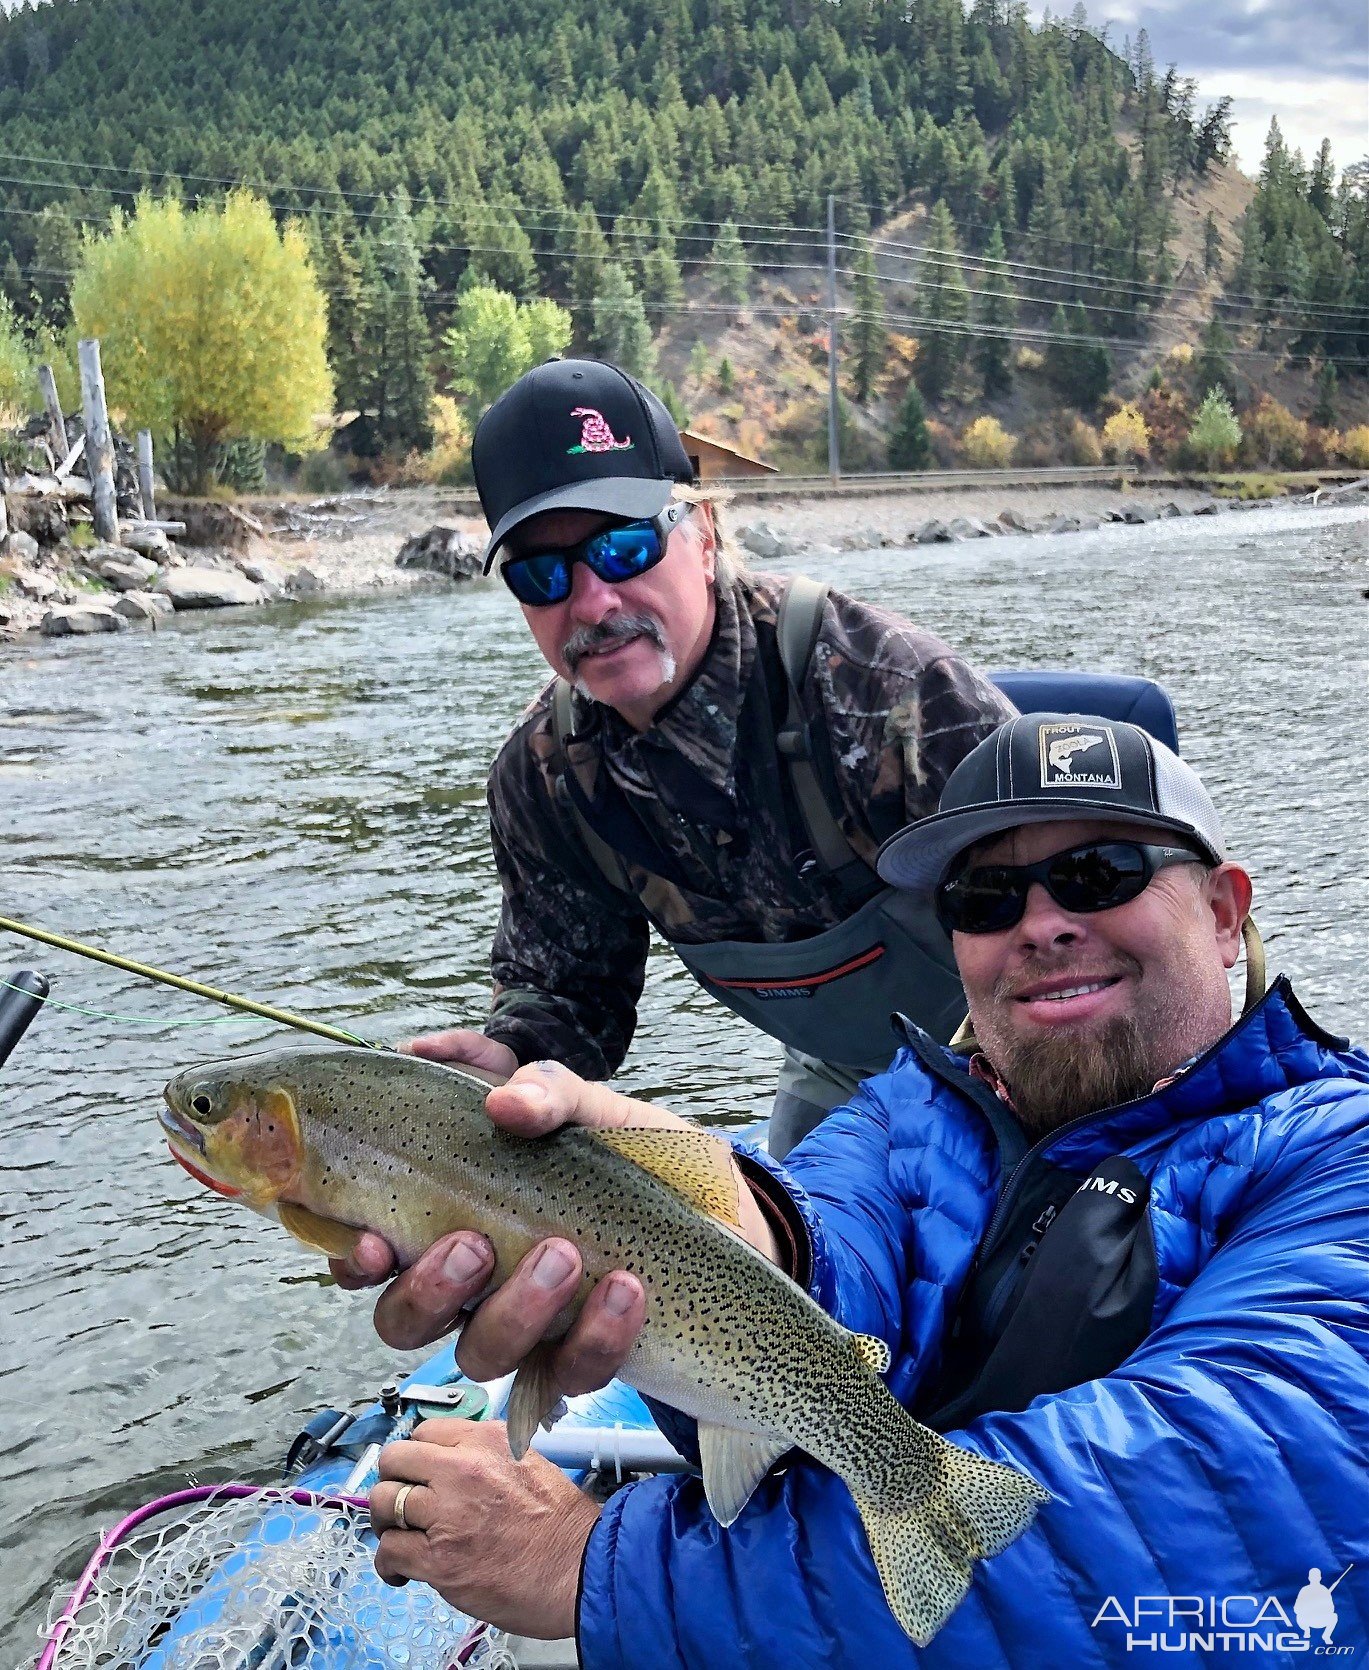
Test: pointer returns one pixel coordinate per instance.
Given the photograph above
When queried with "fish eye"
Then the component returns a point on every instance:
(202, 1104)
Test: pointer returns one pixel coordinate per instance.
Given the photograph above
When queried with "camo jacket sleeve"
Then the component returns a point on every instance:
(569, 954)
(901, 710)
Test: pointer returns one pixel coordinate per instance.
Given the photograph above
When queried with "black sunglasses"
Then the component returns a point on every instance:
(614, 554)
(1099, 875)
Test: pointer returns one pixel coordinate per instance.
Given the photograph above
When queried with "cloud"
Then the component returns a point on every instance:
(1272, 57)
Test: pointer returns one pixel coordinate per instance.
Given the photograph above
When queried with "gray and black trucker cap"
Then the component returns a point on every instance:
(1043, 766)
(575, 435)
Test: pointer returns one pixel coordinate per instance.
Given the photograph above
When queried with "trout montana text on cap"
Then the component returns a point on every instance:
(575, 435)
(1043, 766)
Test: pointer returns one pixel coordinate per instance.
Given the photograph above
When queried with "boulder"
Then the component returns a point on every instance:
(1013, 521)
(1170, 509)
(262, 570)
(79, 619)
(442, 550)
(19, 547)
(207, 588)
(967, 527)
(130, 574)
(1062, 524)
(149, 542)
(143, 607)
(762, 541)
(303, 582)
(865, 539)
(31, 582)
(933, 532)
(1135, 513)
(1207, 507)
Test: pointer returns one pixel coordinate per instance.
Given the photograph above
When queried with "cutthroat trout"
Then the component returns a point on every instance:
(334, 1140)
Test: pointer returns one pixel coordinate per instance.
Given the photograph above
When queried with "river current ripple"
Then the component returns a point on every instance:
(291, 804)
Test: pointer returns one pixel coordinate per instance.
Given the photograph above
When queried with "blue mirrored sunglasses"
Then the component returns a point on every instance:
(614, 554)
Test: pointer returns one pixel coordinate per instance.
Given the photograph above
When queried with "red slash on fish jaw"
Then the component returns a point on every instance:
(202, 1177)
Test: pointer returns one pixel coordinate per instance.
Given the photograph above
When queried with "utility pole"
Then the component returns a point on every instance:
(833, 440)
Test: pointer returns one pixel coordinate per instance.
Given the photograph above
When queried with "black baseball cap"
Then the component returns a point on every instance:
(1043, 766)
(575, 435)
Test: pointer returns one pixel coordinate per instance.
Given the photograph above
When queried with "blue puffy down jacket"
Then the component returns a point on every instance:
(1195, 1487)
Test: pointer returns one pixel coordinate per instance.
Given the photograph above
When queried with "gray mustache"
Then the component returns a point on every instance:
(587, 640)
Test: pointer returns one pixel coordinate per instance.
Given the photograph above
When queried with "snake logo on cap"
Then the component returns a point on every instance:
(596, 434)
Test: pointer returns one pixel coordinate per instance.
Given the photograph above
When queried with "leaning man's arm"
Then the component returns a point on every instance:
(569, 957)
(1226, 1457)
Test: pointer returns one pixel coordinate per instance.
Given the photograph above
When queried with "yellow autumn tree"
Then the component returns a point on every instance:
(1126, 436)
(987, 445)
(212, 328)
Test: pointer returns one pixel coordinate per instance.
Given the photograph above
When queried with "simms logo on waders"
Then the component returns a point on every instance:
(1071, 758)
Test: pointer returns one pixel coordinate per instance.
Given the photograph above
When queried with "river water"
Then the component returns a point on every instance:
(290, 804)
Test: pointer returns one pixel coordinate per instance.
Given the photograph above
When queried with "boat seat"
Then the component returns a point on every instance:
(1138, 701)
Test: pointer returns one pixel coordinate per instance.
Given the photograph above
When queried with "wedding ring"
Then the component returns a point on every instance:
(401, 1497)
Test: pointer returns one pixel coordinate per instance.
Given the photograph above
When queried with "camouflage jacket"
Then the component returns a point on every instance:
(715, 837)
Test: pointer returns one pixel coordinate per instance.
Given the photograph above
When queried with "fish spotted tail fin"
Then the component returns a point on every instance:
(926, 1543)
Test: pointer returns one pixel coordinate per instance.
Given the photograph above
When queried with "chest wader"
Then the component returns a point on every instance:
(828, 999)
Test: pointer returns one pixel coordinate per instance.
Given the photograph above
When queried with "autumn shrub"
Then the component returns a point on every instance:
(1082, 445)
(1354, 446)
(1181, 354)
(1029, 359)
(1272, 437)
(1168, 418)
(944, 446)
(1126, 439)
(1323, 447)
(987, 445)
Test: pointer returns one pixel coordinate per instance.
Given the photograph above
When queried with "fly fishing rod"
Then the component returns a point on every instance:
(230, 1000)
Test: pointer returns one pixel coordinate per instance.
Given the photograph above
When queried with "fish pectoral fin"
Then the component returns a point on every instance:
(325, 1235)
(699, 1167)
(534, 1398)
(733, 1464)
(872, 1351)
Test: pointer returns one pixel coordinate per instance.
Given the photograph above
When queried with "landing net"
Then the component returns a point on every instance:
(235, 1577)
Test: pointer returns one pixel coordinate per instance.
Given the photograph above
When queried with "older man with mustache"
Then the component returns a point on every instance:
(719, 756)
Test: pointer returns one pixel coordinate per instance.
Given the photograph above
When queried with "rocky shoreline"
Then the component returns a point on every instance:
(57, 581)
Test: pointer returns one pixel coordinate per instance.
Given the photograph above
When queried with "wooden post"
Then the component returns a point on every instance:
(145, 474)
(48, 383)
(99, 441)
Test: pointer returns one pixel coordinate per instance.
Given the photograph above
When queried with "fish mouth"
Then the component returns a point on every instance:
(176, 1125)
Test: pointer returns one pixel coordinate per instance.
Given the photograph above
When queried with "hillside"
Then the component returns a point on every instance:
(663, 167)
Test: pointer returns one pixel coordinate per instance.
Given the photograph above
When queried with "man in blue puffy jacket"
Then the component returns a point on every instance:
(1115, 1241)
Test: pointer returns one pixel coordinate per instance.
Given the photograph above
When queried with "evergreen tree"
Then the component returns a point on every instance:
(1324, 412)
(589, 264)
(620, 331)
(401, 391)
(1212, 369)
(730, 268)
(1212, 246)
(943, 300)
(997, 314)
(909, 446)
(869, 337)
(1215, 434)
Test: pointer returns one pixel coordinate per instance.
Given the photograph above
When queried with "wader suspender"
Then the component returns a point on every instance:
(796, 630)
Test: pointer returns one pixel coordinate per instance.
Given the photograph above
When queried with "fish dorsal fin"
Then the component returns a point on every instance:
(325, 1235)
(733, 1463)
(871, 1351)
(697, 1166)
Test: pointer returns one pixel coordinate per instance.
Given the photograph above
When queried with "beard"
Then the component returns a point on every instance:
(618, 629)
(1054, 1080)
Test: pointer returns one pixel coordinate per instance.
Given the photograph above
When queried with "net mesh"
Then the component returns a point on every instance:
(262, 1581)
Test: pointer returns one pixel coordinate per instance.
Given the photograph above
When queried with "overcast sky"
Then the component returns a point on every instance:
(1304, 61)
